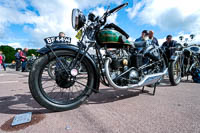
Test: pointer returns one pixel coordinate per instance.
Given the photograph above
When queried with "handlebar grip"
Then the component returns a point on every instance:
(117, 8)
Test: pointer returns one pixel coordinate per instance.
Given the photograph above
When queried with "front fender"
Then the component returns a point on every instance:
(74, 48)
(59, 46)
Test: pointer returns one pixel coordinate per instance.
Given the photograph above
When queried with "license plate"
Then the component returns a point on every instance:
(22, 118)
(57, 39)
(79, 34)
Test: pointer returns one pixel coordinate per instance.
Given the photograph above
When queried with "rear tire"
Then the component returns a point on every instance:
(37, 90)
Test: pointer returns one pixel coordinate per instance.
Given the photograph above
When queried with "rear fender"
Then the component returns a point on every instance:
(74, 48)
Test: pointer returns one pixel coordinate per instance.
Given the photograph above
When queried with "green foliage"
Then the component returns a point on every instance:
(9, 52)
(18, 49)
(32, 51)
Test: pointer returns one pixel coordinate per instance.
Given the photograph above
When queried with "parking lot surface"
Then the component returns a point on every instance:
(173, 109)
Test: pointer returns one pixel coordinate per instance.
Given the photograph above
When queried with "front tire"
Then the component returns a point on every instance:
(45, 99)
(174, 71)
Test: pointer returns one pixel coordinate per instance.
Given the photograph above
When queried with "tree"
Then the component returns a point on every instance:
(32, 51)
(18, 49)
(9, 52)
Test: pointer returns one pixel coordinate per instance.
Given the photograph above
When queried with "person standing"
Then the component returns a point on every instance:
(3, 60)
(143, 37)
(152, 38)
(23, 56)
(167, 45)
(18, 60)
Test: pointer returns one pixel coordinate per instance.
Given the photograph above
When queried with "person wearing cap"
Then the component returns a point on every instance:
(143, 37)
(169, 43)
(152, 38)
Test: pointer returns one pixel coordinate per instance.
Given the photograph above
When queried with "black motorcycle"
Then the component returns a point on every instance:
(30, 63)
(121, 65)
(190, 59)
(174, 63)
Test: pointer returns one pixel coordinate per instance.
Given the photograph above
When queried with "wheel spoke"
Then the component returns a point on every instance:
(61, 91)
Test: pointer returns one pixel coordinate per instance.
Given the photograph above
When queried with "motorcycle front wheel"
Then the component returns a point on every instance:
(51, 69)
(174, 71)
(69, 89)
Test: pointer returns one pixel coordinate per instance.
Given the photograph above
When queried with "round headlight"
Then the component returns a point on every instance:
(78, 19)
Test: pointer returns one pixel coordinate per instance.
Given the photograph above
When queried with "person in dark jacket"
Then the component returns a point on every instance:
(167, 45)
(23, 56)
(152, 38)
(18, 60)
(143, 36)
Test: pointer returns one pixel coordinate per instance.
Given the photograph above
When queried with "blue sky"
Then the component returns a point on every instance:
(24, 23)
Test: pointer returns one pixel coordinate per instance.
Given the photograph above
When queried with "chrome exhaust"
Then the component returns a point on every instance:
(147, 80)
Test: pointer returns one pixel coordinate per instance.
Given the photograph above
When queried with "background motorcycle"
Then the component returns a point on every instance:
(190, 57)
(174, 67)
(121, 66)
(29, 63)
(173, 53)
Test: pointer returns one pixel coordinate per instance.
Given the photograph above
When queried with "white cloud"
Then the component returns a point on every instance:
(196, 39)
(54, 16)
(168, 14)
(14, 45)
(131, 39)
(83, 4)
(132, 12)
(99, 11)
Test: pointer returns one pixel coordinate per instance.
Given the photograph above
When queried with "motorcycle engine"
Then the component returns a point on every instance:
(120, 70)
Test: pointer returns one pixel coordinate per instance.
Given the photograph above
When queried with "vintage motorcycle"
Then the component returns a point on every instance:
(121, 65)
(190, 59)
(174, 63)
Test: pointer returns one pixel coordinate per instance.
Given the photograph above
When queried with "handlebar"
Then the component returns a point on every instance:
(117, 8)
(106, 14)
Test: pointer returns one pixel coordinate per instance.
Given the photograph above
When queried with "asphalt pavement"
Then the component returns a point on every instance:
(173, 109)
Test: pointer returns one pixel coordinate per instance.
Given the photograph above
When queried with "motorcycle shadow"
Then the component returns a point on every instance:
(165, 83)
(107, 95)
(20, 103)
(185, 80)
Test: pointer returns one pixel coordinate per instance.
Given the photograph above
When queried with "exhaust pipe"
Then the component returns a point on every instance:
(147, 80)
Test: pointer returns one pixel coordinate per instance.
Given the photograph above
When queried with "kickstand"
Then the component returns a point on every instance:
(154, 89)
(142, 89)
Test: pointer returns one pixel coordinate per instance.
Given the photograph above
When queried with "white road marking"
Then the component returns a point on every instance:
(9, 74)
(5, 82)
